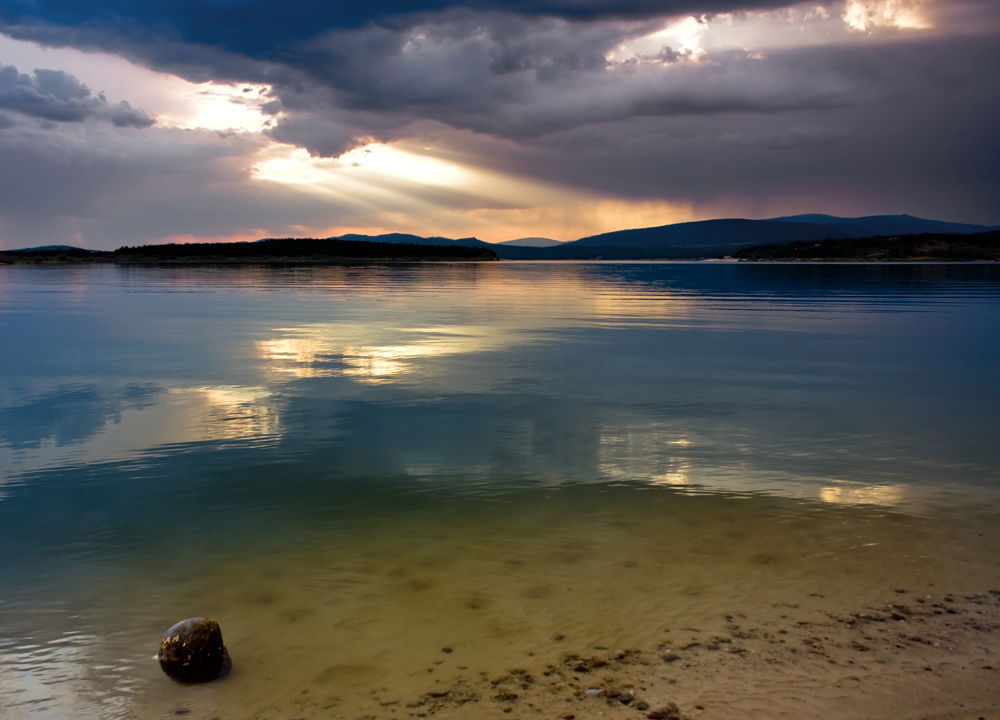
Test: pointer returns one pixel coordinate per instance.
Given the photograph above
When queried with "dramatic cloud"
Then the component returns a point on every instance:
(59, 97)
(557, 117)
(264, 28)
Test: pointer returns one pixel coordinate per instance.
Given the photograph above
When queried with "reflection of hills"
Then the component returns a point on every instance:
(846, 282)
(536, 290)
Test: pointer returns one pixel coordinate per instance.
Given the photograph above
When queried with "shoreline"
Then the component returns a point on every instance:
(916, 656)
(227, 262)
(347, 261)
(867, 261)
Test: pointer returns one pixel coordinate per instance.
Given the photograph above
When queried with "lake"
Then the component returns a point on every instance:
(382, 479)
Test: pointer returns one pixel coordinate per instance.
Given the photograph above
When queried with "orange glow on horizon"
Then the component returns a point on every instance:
(573, 220)
(390, 183)
(579, 217)
(185, 239)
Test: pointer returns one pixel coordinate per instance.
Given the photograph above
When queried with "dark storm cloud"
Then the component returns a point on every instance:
(264, 28)
(307, 48)
(57, 96)
(908, 127)
(916, 135)
(877, 124)
(520, 79)
(523, 79)
(344, 74)
(473, 71)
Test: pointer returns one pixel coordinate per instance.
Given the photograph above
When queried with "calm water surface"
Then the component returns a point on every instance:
(352, 468)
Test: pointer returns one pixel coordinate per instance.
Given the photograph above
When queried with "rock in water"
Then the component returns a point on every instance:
(192, 651)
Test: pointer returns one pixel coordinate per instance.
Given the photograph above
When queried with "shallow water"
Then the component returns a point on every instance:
(353, 468)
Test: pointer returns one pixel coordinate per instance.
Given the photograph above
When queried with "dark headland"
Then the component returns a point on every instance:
(330, 251)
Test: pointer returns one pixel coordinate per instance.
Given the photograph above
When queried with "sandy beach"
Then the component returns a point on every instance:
(918, 655)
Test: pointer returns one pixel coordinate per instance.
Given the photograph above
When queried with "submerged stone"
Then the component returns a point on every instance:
(192, 651)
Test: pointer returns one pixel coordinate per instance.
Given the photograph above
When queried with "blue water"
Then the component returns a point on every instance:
(243, 441)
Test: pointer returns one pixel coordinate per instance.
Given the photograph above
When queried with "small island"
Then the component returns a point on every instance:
(325, 251)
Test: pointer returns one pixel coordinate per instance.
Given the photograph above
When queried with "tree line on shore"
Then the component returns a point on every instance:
(926, 246)
(271, 250)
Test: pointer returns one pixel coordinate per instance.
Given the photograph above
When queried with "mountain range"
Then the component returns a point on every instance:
(700, 239)
(714, 238)
(705, 238)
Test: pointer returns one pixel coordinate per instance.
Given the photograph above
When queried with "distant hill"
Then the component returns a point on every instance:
(406, 239)
(713, 237)
(813, 218)
(708, 237)
(717, 238)
(890, 224)
(538, 242)
(69, 249)
(53, 254)
(925, 246)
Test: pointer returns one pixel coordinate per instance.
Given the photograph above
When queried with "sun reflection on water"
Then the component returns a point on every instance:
(863, 494)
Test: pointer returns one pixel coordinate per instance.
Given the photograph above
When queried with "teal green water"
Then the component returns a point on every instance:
(353, 467)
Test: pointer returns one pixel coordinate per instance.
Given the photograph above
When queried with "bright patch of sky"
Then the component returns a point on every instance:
(695, 38)
(295, 166)
(867, 16)
(173, 101)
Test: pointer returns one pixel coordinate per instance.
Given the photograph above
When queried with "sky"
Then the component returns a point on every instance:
(126, 122)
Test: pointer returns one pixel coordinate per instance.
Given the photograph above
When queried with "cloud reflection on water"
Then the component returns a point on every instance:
(660, 455)
(735, 378)
(99, 424)
(328, 349)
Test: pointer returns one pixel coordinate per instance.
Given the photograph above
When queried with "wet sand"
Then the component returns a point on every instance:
(917, 655)
(852, 613)
(593, 603)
